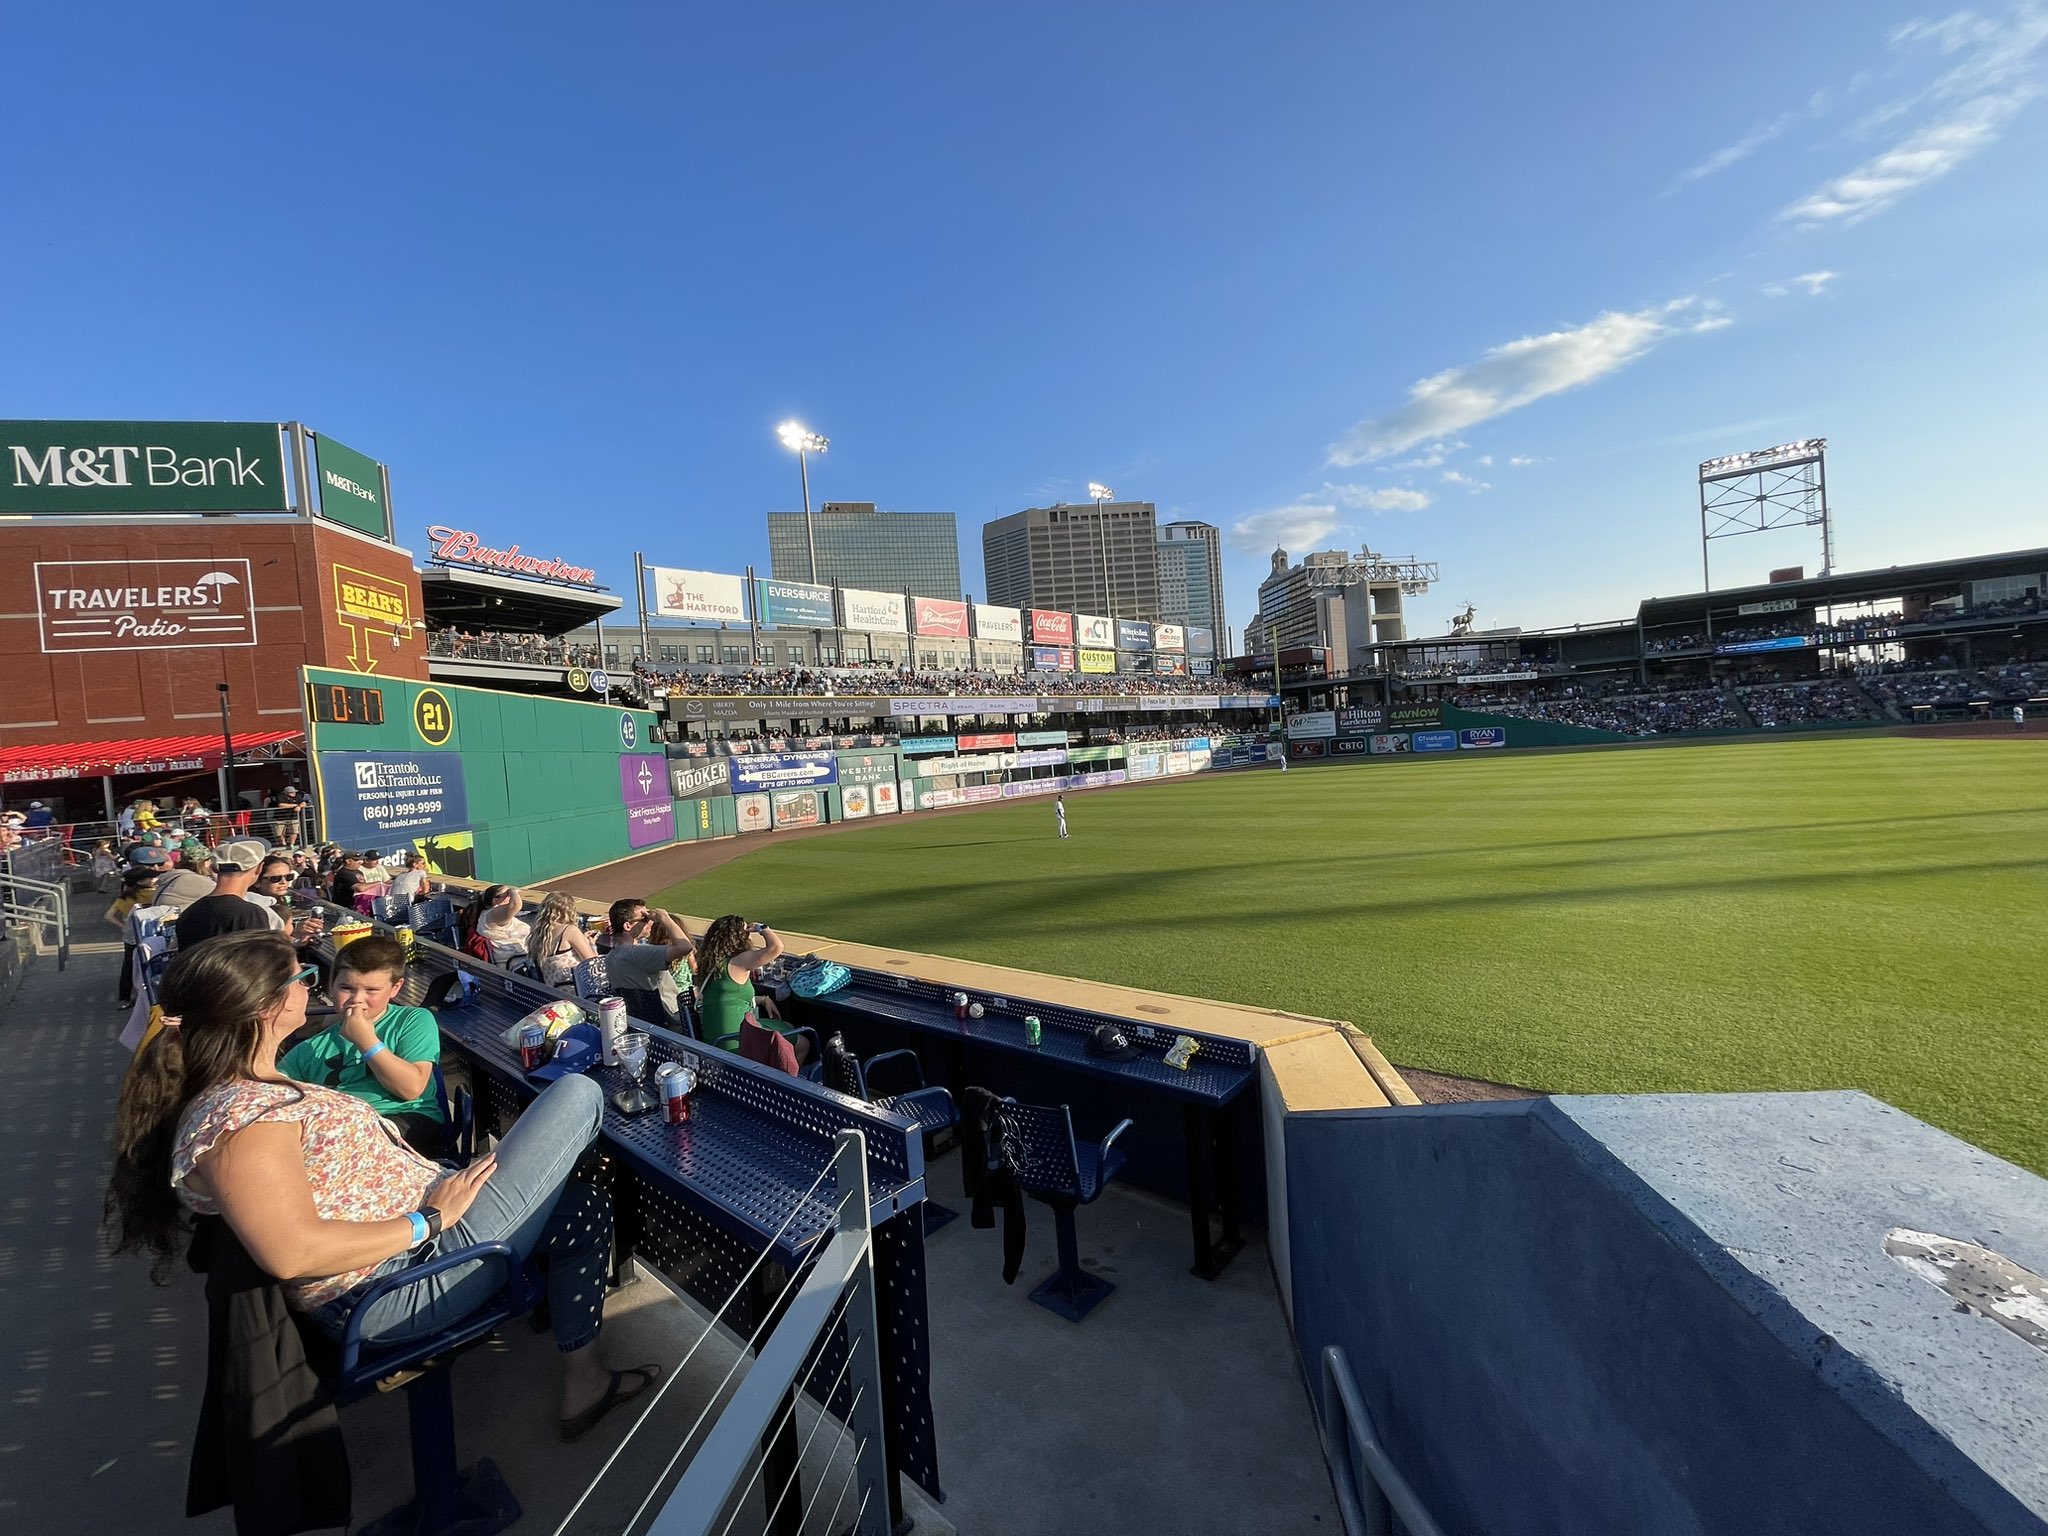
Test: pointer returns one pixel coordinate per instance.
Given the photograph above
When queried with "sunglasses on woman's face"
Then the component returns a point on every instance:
(308, 976)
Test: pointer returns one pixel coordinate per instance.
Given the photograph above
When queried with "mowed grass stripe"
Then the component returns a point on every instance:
(1808, 913)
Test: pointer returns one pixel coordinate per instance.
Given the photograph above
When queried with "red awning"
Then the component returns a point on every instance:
(148, 754)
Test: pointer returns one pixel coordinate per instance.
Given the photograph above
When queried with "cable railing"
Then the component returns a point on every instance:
(788, 1346)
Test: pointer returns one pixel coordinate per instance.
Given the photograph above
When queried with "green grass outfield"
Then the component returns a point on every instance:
(1867, 913)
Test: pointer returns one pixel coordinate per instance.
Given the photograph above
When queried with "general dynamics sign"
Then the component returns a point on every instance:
(141, 466)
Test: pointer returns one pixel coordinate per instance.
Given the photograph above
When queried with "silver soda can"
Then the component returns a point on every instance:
(611, 1027)
(673, 1082)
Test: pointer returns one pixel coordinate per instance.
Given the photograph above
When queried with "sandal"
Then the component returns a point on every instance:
(586, 1421)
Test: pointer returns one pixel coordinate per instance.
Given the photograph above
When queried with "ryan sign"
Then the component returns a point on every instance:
(144, 605)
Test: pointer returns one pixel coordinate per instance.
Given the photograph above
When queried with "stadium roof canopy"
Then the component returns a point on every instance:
(1933, 578)
(457, 598)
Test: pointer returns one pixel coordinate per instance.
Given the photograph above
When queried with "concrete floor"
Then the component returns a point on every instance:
(1177, 1406)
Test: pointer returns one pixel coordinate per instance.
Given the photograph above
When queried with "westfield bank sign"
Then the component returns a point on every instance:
(144, 605)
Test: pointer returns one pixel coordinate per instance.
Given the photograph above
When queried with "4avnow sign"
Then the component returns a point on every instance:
(138, 605)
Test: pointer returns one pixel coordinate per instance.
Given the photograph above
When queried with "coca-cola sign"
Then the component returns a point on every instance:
(144, 605)
(458, 546)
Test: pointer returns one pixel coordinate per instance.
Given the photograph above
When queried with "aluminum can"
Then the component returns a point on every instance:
(405, 942)
(611, 1027)
(673, 1082)
(1033, 1031)
(533, 1046)
(960, 1005)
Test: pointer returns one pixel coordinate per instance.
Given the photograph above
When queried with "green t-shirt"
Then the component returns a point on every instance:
(329, 1061)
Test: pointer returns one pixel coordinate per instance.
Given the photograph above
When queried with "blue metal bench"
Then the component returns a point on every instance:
(1036, 1143)
(933, 1109)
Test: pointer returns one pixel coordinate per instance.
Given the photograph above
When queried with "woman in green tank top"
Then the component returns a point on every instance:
(726, 961)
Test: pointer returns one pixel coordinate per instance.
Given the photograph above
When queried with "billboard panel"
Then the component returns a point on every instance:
(1482, 736)
(1435, 741)
(1360, 720)
(1416, 714)
(1041, 738)
(886, 799)
(351, 488)
(141, 466)
(854, 801)
(752, 813)
(1049, 628)
(1395, 742)
(1133, 635)
(702, 595)
(872, 610)
(1169, 637)
(1201, 642)
(797, 808)
(643, 778)
(374, 799)
(784, 770)
(1090, 629)
(1313, 725)
(988, 741)
(992, 623)
(699, 778)
(793, 602)
(1098, 661)
(1169, 664)
(144, 605)
(650, 824)
(1051, 658)
(937, 616)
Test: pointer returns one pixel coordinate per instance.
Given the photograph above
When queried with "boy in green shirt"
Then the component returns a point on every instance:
(381, 1052)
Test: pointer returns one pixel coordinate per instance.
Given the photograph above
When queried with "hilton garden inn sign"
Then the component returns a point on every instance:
(141, 466)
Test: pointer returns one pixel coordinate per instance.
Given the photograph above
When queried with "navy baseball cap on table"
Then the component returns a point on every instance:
(578, 1049)
(1110, 1043)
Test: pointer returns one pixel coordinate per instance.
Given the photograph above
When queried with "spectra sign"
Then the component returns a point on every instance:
(144, 605)
(141, 466)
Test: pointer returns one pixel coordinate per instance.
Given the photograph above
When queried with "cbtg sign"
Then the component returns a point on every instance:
(141, 466)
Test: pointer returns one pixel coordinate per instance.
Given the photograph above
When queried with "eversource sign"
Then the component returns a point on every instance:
(141, 466)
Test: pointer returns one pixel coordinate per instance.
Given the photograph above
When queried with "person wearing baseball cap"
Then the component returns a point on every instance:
(228, 909)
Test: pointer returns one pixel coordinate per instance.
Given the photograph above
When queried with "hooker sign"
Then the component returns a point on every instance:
(144, 605)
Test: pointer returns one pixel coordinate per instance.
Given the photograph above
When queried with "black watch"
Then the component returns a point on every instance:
(433, 1220)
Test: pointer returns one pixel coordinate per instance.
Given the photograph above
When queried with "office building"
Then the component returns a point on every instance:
(917, 552)
(1076, 559)
(1190, 556)
(1341, 601)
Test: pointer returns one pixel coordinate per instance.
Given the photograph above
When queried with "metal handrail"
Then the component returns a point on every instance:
(1349, 1440)
(34, 912)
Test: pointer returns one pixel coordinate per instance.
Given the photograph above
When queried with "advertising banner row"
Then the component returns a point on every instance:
(711, 597)
(717, 708)
(1395, 743)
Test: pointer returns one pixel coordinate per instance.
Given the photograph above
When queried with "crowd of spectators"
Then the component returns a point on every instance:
(870, 681)
(503, 645)
(1820, 699)
(1624, 706)
(1958, 687)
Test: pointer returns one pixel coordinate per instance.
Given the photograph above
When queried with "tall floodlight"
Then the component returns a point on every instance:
(1099, 494)
(803, 442)
(1781, 487)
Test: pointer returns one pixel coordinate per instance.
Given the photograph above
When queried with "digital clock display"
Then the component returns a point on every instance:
(339, 704)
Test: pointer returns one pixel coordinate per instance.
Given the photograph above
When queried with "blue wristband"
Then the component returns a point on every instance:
(419, 1227)
(373, 1050)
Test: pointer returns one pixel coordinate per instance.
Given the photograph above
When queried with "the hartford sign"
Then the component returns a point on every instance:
(141, 466)
(144, 605)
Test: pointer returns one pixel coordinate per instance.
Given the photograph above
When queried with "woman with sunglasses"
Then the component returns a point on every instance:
(322, 1192)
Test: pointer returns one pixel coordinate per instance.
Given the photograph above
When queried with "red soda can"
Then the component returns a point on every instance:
(673, 1082)
(960, 1006)
(533, 1046)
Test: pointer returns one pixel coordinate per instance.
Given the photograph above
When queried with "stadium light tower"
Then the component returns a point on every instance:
(1100, 493)
(1781, 487)
(802, 441)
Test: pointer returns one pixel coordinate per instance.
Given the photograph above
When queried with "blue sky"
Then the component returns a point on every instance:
(1478, 284)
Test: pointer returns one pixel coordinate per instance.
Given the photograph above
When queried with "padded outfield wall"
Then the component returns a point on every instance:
(516, 788)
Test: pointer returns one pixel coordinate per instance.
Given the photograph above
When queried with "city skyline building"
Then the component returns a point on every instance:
(859, 546)
(1096, 558)
(1190, 559)
(1340, 601)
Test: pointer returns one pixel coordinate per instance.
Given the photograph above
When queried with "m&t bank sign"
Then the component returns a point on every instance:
(141, 466)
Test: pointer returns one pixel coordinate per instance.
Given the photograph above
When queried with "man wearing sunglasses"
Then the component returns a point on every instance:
(228, 909)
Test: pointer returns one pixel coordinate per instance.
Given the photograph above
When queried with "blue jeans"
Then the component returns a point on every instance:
(525, 1205)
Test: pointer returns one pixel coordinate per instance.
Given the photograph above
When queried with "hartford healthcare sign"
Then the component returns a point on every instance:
(141, 466)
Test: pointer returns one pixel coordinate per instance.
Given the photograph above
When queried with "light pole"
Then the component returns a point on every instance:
(227, 736)
(803, 442)
(1100, 493)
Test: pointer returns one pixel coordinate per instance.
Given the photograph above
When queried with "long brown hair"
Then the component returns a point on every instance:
(218, 992)
(726, 937)
(556, 916)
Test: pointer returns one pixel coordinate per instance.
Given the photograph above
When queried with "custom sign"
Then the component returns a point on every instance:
(936, 616)
(1201, 642)
(793, 602)
(752, 813)
(458, 546)
(433, 716)
(797, 808)
(997, 623)
(784, 770)
(699, 778)
(1360, 720)
(988, 741)
(1169, 637)
(1483, 736)
(1416, 714)
(1133, 635)
(1434, 741)
(702, 595)
(1092, 630)
(351, 489)
(871, 610)
(1098, 661)
(1396, 742)
(370, 607)
(376, 799)
(1051, 628)
(144, 605)
(141, 466)
(1315, 725)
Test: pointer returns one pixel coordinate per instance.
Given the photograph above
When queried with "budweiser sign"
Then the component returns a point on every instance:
(144, 605)
(458, 546)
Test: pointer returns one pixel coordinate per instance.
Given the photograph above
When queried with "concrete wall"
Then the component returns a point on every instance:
(1672, 1314)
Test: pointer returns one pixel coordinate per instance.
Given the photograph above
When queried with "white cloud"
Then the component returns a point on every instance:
(1518, 374)
(1472, 486)
(1378, 498)
(1999, 76)
(1812, 282)
(1486, 459)
(1741, 149)
(1298, 525)
(1523, 461)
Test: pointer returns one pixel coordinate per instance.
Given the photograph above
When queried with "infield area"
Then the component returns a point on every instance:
(1868, 913)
